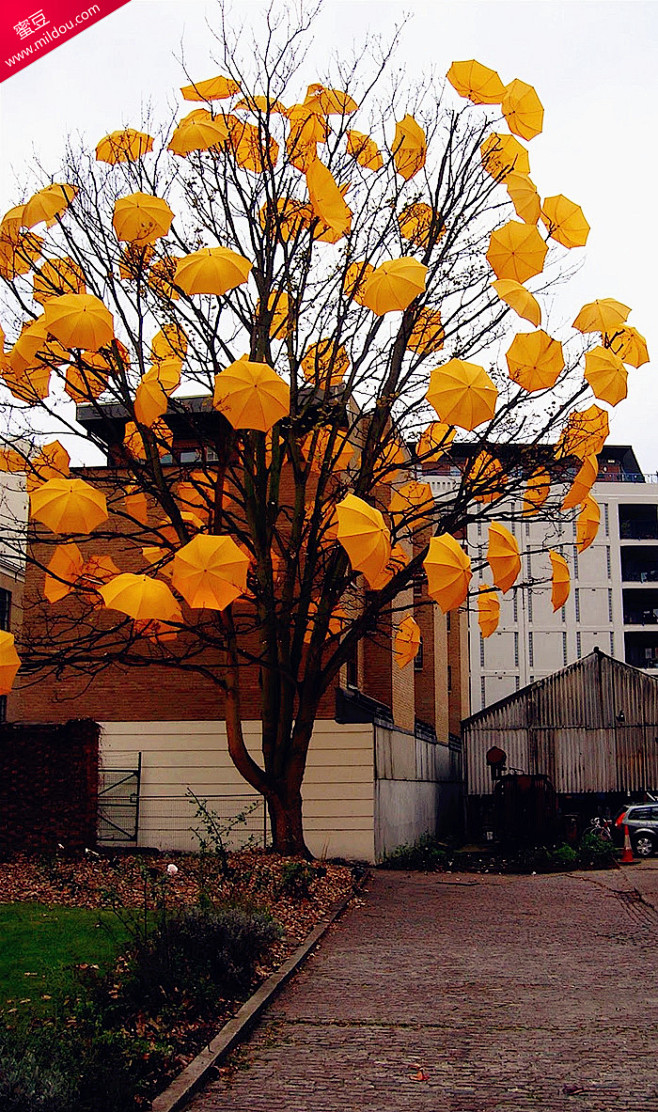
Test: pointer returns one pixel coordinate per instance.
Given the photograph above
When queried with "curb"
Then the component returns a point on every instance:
(183, 1087)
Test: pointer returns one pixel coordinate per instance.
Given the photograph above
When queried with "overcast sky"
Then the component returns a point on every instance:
(593, 62)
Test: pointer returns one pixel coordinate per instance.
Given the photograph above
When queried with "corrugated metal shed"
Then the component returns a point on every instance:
(592, 727)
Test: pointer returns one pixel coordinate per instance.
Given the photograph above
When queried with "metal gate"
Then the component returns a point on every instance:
(118, 803)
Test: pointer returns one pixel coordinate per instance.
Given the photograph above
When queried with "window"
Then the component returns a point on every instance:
(606, 519)
(516, 607)
(530, 604)
(481, 651)
(483, 693)
(578, 645)
(190, 455)
(3, 708)
(5, 609)
(517, 683)
(564, 647)
(418, 659)
(449, 678)
(608, 561)
(516, 650)
(609, 604)
(531, 650)
(575, 562)
(528, 565)
(576, 597)
(612, 644)
(352, 668)
(448, 622)
(419, 580)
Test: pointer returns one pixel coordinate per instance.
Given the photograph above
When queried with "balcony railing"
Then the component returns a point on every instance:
(641, 617)
(639, 530)
(640, 575)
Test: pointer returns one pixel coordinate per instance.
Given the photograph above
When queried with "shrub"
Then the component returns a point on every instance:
(564, 857)
(595, 853)
(297, 878)
(425, 855)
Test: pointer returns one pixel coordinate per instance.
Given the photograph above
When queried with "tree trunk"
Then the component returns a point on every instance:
(287, 829)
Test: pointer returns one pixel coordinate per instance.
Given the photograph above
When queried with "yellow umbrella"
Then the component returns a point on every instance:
(364, 150)
(198, 131)
(68, 506)
(162, 276)
(210, 572)
(503, 155)
(198, 493)
(406, 642)
(151, 398)
(64, 571)
(255, 151)
(435, 441)
(519, 299)
(448, 571)
(48, 204)
(214, 270)
(57, 276)
(141, 218)
(565, 221)
(524, 196)
(134, 261)
(587, 525)
(333, 102)
(391, 456)
(394, 285)
(335, 625)
(260, 105)
(411, 504)
(486, 478)
(462, 394)
(9, 662)
(316, 445)
(141, 597)
(584, 434)
(281, 319)
(364, 535)
(169, 343)
(33, 338)
(477, 82)
(20, 256)
(522, 109)
(537, 491)
(606, 374)
(356, 278)
(603, 315)
(503, 556)
(326, 363)
(535, 360)
(560, 580)
(307, 126)
(396, 562)
(409, 147)
(421, 224)
(628, 344)
(134, 441)
(427, 334)
(251, 395)
(79, 320)
(126, 145)
(284, 219)
(488, 610)
(516, 251)
(214, 88)
(97, 570)
(11, 224)
(583, 483)
(326, 199)
(84, 380)
(50, 463)
(12, 461)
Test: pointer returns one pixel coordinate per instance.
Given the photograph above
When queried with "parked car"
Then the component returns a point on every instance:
(642, 822)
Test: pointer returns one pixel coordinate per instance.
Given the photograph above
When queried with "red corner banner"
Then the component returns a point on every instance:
(27, 32)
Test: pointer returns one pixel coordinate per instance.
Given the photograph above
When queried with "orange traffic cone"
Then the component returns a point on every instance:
(627, 855)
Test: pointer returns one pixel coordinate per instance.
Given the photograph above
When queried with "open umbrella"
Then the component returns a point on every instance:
(84, 380)
(251, 395)
(134, 439)
(126, 145)
(603, 315)
(390, 457)
(406, 642)
(213, 270)
(281, 318)
(316, 446)
(394, 285)
(64, 570)
(502, 155)
(448, 571)
(169, 343)
(136, 504)
(9, 662)
(486, 478)
(151, 398)
(12, 462)
(519, 299)
(488, 610)
(52, 462)
(396, 562)
(462, 394)
(141, 597)
(326, 363)
(141, 218)
(135, 260)
(582, 484)
(356, 278)
(68, 506)
(421, 224)
(260, 105)
(162, 276)
(565, 221)
(96, 571)
(253, 150)
(477, 82)
(364, 535)
(214, 88)
(524, 196)
(364, 150)
(560, 580)
(48, 204)
(606, 374)
(56, 277)
(411, 504)
(210, 572)
(435, 441)
(538, 488)
(327, 201)
(335, 625)
(535, 360)
(79, 320)
(628, 344)
(587, 525)
(11, 224)
(409, 147)
(427, 334)
(198, 131)
(332, 102)
(516, 251)
(522, 109)
(584, 434)
(503, 556)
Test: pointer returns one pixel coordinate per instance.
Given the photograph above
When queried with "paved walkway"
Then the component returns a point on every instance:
(467, 994)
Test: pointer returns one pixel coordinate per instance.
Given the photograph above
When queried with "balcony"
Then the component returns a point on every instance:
(641, 649)
(639, 565)
(640, 606)
(638, 521)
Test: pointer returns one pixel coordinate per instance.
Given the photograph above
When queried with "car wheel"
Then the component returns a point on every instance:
(643, 845)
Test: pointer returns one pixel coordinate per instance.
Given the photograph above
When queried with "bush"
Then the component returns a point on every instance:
(425, 855)
(297, 878)
(564, 857)
(595, 853)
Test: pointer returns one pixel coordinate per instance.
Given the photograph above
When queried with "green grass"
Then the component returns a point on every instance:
(39, 944)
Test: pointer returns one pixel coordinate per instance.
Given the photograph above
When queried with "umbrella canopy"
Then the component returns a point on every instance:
(9, 662)
(48, 204)
(332, 102)
(68, 506)
(364, 150)
(253, 150)
(51, 462)
(135, 260)
(19, 256)
(435, 441)
(11, 461)
(522, 109)
(97, 570)
(396, 562)
(169, 343)
(141, 597)
(538, 488)
(64, 570)
(327, 201)
(411, 504)
(151, 398)
(565, 221)
(603, 315)
(584, 434)
(213, 270)
(325, 363)
(502, 155)
(394, 285)
(462, 394)
(503, 556)
(488, 610)
(391, 456)
(126, 145)
(606, 374)
(524, 196)
(560, 580)
(84, 380)
(628, 344)
(516, 251)
(79, 320)
(251, 395)
(448, 571)
(355, 281)
(477, 82)
(519, 299)
(136, 504)
(198, 131)
(364, 535)
(210, 572)
(587, 525)
(141, 218)
(315, 446)
(11, 224)
(406, 642)
(214, 88)
(134, 439)
(409, 147)
(427, 334)
(335, 625)
(582, 484)
(421, 224)
(535, 360)
(56, 277)
(260, 105)
(281, 318)
(486, 478)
